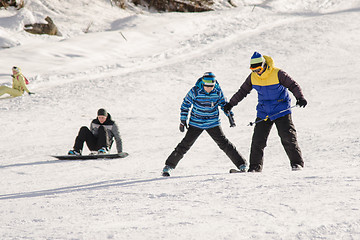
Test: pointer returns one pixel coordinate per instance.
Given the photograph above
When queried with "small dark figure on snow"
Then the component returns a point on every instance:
(205, 98)
(100, 136)
(274, 106)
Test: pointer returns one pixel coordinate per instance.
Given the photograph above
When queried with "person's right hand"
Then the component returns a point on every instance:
(183, 125)
(227, 107)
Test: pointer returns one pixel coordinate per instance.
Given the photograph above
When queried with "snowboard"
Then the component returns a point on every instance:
(91, 156)
(8, 97)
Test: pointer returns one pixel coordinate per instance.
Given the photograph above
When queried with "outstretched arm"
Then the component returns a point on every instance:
(290, 83)
(115, 131)
(293, 87)
(223, 103)
(244, 90)
(228, 113)
(186, 105)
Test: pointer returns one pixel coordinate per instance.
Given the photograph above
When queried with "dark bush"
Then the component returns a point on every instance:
(180, 6)
(11, 3)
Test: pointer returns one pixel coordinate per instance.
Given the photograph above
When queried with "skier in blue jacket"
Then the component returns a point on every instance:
(274, 107)
(205, 98)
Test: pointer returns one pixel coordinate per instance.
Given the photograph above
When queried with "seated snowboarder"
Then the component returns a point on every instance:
(18, 85)
(205, 98)
(100, 135)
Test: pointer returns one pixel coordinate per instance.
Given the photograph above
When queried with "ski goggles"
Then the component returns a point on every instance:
(208, 83)
(257, 70)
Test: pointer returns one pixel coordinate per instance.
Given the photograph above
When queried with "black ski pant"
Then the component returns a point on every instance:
(287, 133)
(216, 134)
(93, 142)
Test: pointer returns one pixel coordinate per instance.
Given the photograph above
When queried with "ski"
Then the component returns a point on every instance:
(235, 171)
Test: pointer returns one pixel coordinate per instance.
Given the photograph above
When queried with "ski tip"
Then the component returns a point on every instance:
(236, 171)
(123, 154)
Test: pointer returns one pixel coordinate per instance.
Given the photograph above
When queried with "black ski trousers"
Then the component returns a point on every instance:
(287, 133)
(216, 134)
(93, 142)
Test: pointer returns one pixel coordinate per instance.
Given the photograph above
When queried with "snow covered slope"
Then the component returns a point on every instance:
(139, 66)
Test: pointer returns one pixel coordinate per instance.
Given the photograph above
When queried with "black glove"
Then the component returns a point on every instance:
(301, 102)
(30, 93)
(183, 125)
(227, 107)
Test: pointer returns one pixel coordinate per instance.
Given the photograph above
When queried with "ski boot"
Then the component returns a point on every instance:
(296, 167)
(255, 168)
(241, 169)
(74, 152)
(166, 171)
(103, 150)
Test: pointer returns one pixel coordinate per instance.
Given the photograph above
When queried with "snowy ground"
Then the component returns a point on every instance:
(139, 66)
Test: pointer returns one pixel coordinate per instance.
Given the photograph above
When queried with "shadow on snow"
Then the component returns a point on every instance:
(93, 186)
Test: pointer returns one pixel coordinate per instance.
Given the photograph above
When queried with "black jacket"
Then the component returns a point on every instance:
(111, 128)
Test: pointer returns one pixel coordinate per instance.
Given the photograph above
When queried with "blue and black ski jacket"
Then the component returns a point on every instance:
(204, 113)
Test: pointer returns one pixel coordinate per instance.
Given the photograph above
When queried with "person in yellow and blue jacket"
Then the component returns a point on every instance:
(203, 102)
(274, 106)
(18, 85)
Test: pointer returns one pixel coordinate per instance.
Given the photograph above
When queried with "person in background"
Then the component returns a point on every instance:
(274, 107)
(205, 98)
(18, 84)
(99, 137)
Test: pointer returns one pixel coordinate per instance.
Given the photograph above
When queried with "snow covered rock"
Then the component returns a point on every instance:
(43, 28)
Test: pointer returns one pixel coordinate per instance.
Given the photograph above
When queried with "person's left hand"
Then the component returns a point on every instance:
(301, 102)
(231, 119)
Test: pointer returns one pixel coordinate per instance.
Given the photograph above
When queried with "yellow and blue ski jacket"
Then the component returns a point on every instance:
(272, 87)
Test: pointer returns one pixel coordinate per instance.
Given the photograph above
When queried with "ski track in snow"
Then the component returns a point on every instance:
(142, 82)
